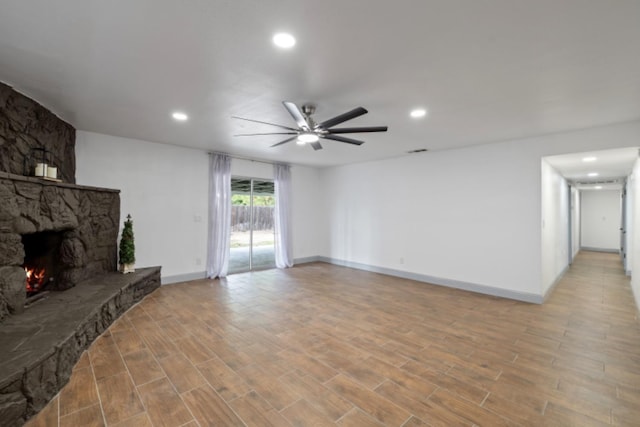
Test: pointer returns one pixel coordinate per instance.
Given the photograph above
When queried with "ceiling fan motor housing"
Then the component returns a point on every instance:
(308, 109)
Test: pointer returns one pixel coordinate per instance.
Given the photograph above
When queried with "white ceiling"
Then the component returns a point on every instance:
(612, 166)
(486, 70)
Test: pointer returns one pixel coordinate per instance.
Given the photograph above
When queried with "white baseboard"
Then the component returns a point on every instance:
(450, 283)
(306, 260)
(592, 249)
(555, 283)
(167, 280)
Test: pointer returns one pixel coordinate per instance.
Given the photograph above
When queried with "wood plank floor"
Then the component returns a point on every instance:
(325, 345)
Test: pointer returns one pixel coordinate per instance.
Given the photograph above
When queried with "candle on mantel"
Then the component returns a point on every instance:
(41, 169)
(52, 172)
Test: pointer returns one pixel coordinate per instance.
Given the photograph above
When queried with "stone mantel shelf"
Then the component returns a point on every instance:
(36, 180)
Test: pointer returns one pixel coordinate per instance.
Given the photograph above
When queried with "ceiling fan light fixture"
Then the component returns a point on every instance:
(284, 40)
(307, 138)
(310, 132)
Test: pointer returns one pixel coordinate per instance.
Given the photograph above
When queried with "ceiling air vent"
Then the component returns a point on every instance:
(419, 150)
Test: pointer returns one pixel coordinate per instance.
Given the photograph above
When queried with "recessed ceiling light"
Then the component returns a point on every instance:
(589, 159)
(592, 174)
(418, 112)
(308, 137)
(284, 40)
(598, 187)
(180, 116)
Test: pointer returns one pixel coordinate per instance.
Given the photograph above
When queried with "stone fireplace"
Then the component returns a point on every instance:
(69, 232)
(65, 230)
(59, 288)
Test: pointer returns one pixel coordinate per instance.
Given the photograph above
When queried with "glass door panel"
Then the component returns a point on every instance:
(263, 232)
(252, 243)
(240, 245)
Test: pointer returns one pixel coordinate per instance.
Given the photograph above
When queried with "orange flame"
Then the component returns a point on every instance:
(35, 278)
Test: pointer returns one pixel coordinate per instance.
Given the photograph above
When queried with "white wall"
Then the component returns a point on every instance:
(309, 220)
(601, 219)
(456, 215)
(472, 215)
(633, 258)
(251, 169)
(630, 188)
(575, 222)
(165, 189)
(555, 225)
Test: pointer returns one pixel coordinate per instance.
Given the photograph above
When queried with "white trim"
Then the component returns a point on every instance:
(167, 280)
(555, 283)
(588, 248)
(449, 283)
(308, 259)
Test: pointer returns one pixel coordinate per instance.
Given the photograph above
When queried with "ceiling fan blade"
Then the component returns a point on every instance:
(342, 139)
(356, 112)
(358, 130)
(269, 133)
(296, 114)
(285, 141)
(264, 123)
(316, 145)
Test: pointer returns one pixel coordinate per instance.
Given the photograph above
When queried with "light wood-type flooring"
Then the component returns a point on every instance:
(325, 345)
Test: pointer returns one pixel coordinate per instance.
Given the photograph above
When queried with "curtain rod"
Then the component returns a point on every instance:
(248, 158)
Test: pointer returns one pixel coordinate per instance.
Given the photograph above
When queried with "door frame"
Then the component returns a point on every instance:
(251, 217)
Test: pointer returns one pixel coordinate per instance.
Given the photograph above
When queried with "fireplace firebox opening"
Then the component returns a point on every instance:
(41, 260)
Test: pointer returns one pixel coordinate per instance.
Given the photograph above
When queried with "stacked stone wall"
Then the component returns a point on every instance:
(26, 125)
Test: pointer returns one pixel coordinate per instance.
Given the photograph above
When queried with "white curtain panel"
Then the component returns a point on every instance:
(219, 215)
(284, 247)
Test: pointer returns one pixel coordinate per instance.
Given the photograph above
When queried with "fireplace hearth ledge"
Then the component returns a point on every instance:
(39, 347)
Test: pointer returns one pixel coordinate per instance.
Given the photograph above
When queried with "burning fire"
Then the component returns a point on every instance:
(35, 279)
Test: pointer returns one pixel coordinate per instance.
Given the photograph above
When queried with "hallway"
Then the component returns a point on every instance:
(590, 328)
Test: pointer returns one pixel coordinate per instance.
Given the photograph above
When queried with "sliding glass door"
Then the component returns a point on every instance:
(252, 228)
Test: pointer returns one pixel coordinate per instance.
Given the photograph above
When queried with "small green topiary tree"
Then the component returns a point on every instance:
(127, 252)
